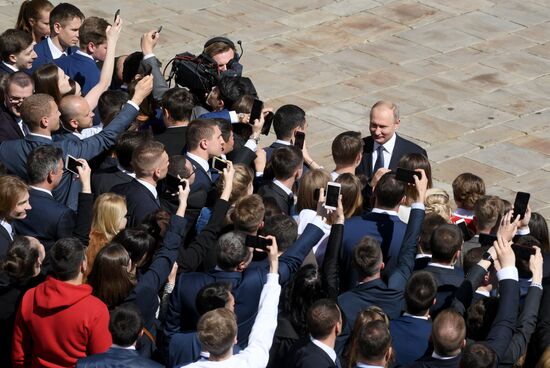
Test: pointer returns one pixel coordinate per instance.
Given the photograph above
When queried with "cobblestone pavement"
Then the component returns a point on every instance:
(471, 77)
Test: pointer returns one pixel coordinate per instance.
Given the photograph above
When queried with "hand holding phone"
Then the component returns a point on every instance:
(72, 164)
(257, 242)
(256, 111)
(219, 164)
(268, 120)
(407, 176)
(117, 13)
(332, 194)
(299, 139)
(520, 205)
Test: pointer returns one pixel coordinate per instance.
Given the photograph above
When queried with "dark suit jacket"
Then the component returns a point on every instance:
(117, 357)
(103, 180)
(139, 201)
(8, 127)
(44, 55)
(402, 147)
(80, 68)
(48, 220)
(5, 241)
(389, 230)
(174, 140)
(308, 355)
(182, 314)
(271, 190)
(14, 153)
(410, 338)
(269, 150)
(202, 180)
(5, 70)
(448, 281)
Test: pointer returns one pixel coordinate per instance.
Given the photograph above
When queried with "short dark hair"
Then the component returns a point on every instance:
(177, 166)
(478, 355)
(373, 340)
(322, 316)
(231, 250)
(20, 79)
(66, 256)
(19, 261)
(34, 108)
(431, 222)
(93, 29)
(248, 213)
(286, 119)
(488, 210)
(126, 143)
(232, 88)
(212, 296)
(471, 258)
(131, 65)
(420, 292)
(389, 191)
(12, 42)
(109, 105)
(367, 257)
(41, 161)
(283, 228)
(125, 324)
(225, 127)
(198, 130)
(179, 103)
(137, 242)
(446, 240)
(345, 147)
(63, 13)
(285, 161)
(480, 317)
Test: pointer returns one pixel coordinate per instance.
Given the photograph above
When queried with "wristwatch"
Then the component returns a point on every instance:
(488, 257)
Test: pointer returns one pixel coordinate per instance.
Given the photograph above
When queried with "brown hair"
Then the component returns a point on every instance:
(321, 318)
(448, 332)
(488, 209)
(46, 80)
(467, 189)
(371, 313)
(11, 189)
(243, 104)
(413, 161)
(198, 130)
(438, 201)
(12, 42)
(216, 48)
(248, 213)
(31, 9)
(146, 157)
(352, 198)
(34, 108)
(93, 29)
(346, 147)
(311, 180)
(217, 330)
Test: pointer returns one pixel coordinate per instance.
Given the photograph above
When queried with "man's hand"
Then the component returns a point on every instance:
(148, 42)
(505, 253)
(183, 194)
(143, 89)
(338, 216)
(508, 228)
(257, 127)
(273, 255)
(228, 175)
(535, 265)
(421, 185)
(377, 175)
(84, 174)
(524, 224)
(261, 160)
(113, 32)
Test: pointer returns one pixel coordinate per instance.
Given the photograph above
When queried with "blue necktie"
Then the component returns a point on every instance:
(379, 160)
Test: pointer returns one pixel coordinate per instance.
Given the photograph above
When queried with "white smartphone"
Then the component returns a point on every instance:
(331, 195)
(71, 164)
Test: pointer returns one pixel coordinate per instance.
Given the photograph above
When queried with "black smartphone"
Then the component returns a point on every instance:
(256, 111)
(257, 242)
(117, 13)
(299, 138)
(331, 195)
(172, 183)
(464, 229)
(523, 252)
(407, 175)
(159, 30)
(219, 164)
(268, 119)
(72, 164)
(520, 205)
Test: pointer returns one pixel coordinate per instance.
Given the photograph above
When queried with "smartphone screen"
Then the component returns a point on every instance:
(268, 119)
(256, 111)
(219, 164)
(299, 138)
(332, 194)
(117, 13)
(520, 205)
(172, 183)
(406, 175)
(257, 242)
(72, 164)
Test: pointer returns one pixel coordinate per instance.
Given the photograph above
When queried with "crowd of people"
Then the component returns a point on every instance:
(143, 225)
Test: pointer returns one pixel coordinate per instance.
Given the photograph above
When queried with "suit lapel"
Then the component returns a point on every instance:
(367, 155)
(397, 153)
(142, 187)
(4, 234)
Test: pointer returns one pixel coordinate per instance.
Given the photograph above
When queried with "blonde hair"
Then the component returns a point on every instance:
(438, 201)
(241, 181)
(311, 180)
(11, 190)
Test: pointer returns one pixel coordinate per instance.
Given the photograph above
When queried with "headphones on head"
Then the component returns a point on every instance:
(229, 43)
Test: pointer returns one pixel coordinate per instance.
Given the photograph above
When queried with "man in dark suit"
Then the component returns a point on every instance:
(411, 331)
(177, 105)
(19, 86)
(126, 326)
(17, 51)
(287, 165)
(368, 261)
(204, 141)
(65, 22)
(384, 148)
(382, 224)
(150, 162)
(324, 323)
(45, 120)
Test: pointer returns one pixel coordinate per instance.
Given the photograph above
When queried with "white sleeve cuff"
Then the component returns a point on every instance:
(318, 221)
(233, 116)
(508, 273)
(536, 284)
(259, 174)
(133, 104)
(418, 206)
(272, 278)
(251, 144)
(148, 56)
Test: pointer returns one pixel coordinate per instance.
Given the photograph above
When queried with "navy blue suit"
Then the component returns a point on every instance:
(9, 129)
(48, 220)
(283, 200)
(182, 314)
(388, 296)
(82, 69)
(202, 180)
(117, 357)
(5, 70)
(389, 230)
(5, 241)
(139, 201)
(269, 150)
(14, 153)
(103, 180)
(174, 140)
(44, 55)
(222, 114)
(448, 281)
(308, 355)
(410, 337)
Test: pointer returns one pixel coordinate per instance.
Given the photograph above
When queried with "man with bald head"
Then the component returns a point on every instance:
(77, 117)
(383, 148)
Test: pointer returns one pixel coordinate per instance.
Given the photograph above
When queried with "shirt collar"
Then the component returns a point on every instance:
(439, 265)
(41, 190)
(461, 212)
(485, 293)
(41, 136)
(131, 347)
(6, 225)
(327, 349)
(284, 143)
(426, 318)
(84, 54)
(12, 67)
(56, 53)
(439, 357)
(201, 161)
(363, 365)
(379, 210)
(282, 186)
(388, 146)
(123, 170)
(423, 255)
(150, 187)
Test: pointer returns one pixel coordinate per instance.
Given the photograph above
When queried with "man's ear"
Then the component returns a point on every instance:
(242, 266)
(90, 47)
(73, 123)
(382, 266)
(203, 144)
(12, 58)
(165, 113)
(56, 27)
(44, 123)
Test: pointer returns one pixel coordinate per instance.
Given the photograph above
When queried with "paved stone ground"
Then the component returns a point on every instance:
(472, 77)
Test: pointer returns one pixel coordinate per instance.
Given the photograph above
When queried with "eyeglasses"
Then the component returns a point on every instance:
(192, 172)
(15, 100)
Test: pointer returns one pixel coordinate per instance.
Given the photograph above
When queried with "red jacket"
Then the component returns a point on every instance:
(57, 323)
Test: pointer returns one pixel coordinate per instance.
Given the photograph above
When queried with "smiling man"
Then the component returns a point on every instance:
(384, 147)
(16, 51)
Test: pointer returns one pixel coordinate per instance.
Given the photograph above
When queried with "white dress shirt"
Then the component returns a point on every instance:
(388, 150)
